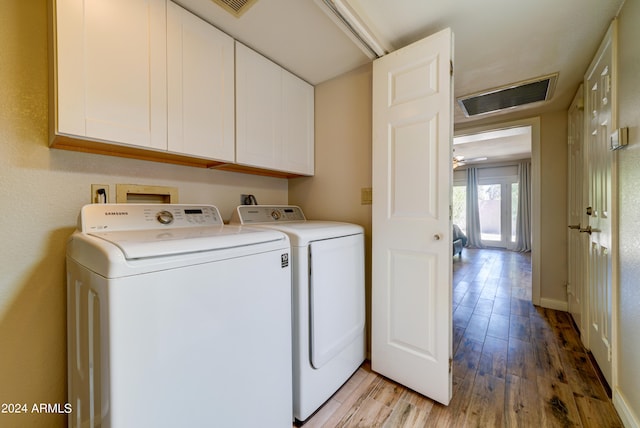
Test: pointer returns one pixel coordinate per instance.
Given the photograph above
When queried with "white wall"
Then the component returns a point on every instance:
(627, 392)
(41, 192)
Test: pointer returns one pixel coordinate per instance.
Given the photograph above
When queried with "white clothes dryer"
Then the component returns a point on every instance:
(328, 300)
(175, 320)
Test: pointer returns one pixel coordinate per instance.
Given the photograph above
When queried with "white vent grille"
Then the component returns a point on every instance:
(509, 96)
(235, 7)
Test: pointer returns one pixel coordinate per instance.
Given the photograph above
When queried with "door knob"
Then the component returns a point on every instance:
(574, 226)
(589, 230)
(437, 237)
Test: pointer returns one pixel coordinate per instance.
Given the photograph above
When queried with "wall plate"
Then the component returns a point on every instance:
(136, 193)
(619, 138)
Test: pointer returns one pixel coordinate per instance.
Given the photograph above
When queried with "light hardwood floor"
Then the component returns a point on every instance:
(515, 365)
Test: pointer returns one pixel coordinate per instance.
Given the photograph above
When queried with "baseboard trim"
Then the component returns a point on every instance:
(626, 413)
(558, 305)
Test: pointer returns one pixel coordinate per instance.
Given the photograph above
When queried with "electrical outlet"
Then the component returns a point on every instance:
(99, 193)
(248, 199)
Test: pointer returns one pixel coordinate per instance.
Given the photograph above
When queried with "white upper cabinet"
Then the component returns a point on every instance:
(145, 73)
(200, 75)
(258, 109)
(111, 70)
(298, 126)
(150, 80)
(274, 116)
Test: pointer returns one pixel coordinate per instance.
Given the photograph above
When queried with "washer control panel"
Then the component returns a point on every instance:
(115, 217)
(254, 214)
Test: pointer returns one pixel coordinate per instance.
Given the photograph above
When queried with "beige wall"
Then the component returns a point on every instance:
(42, 191)
(553, 209)
(343, 158)
(627, 392)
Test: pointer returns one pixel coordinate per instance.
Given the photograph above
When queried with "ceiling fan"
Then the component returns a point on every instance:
(459, 160)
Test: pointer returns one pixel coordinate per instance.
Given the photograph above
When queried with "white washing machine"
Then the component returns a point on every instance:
(328, 300)
(175, 320)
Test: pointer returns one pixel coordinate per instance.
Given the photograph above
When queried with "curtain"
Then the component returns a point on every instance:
(523, 228)
(473, 213)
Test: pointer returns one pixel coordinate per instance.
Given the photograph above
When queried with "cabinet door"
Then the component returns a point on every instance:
(274, 116)
(298, 125)
(258, 110)
(200, 85)
(111, 70)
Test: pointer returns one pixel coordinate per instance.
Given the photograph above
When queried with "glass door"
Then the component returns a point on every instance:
(498, 208)
(490, 210)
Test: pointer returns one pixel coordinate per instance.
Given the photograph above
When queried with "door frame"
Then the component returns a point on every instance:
(577, 246)
(534, 123)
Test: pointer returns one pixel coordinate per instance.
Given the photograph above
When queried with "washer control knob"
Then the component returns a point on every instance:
(164, 217)
(275, 214)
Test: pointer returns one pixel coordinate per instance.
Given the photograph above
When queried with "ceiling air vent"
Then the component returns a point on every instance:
(509, 96)
(235, 7)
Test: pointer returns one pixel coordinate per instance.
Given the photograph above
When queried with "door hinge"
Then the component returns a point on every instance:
(450, 364)
(451, 67)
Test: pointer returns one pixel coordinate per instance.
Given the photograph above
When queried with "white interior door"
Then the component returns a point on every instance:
(577, 248)
(599, 80)
(412, 176)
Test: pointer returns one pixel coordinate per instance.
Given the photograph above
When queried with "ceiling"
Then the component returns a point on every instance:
(494, 146)
(496, 42)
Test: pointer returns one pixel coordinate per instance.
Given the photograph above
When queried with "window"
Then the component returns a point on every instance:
(459, 207)
(497, 202)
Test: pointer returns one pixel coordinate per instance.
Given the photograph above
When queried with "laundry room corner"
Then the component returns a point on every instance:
(342, 160)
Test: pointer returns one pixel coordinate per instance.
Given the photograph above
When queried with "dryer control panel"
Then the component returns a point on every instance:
(255, 214)
(118, 217)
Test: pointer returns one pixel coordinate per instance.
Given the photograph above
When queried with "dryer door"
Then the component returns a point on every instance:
(337, 312)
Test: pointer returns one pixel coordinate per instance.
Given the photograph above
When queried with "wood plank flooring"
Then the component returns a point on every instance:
(515, 365)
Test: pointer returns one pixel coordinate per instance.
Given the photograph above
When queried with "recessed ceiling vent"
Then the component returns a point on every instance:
(510, 96)
(235, 7)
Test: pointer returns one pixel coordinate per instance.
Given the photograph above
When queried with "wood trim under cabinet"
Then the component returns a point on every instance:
(64, 142)
(96, 147)
(234, 167)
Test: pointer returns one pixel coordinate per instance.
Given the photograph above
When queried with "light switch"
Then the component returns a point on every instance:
(366, 196)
